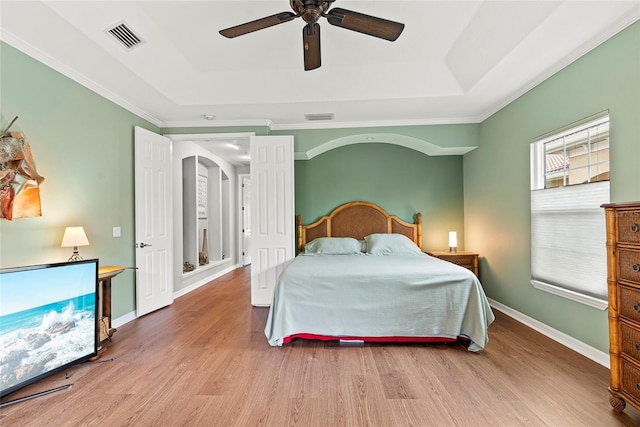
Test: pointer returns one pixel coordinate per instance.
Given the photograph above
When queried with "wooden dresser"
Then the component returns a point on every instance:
(623, 277)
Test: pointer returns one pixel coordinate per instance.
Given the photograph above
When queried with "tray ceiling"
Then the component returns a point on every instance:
(455, 62)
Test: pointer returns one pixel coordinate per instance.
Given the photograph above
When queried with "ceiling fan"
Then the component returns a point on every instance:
(311, 11)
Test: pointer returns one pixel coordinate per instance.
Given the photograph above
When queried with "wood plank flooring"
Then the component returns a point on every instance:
(204, 361)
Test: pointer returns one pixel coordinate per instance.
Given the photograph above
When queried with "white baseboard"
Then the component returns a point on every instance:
(204, 281)
(124, 319)
(576, 345)
(133, 316)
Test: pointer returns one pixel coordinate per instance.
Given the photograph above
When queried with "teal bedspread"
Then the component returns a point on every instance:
(378, 296)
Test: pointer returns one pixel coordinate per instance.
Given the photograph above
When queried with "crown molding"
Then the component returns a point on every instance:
(176, 137)
(377, 123)
(587, 47)
(56, 65)
(44, 58)
(216, 123)
(315, 125)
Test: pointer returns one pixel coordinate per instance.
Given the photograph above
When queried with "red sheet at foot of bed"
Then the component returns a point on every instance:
(287, 340)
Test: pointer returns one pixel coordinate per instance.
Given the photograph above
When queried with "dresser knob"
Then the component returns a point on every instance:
(638, 386)
(636, 307)
(636, 267)
(637, 346)
(634, 228)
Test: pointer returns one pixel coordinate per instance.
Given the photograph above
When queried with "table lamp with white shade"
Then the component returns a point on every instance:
(74, 237)
(453, 241)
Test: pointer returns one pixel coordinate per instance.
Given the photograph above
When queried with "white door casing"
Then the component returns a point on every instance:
(154, 226)
(272, 213)
(246, 219)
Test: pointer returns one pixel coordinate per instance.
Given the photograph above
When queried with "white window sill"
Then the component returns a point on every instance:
(572, 295)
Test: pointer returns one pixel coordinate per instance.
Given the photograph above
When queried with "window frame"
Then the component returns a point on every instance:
(538, 161)
(538, 183)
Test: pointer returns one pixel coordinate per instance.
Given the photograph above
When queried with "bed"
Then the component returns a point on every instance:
(360, 276)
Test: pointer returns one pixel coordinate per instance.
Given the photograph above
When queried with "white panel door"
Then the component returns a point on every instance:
(154, 231)
(272, 213)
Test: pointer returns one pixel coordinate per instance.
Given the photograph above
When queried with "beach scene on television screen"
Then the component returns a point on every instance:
(47, 320)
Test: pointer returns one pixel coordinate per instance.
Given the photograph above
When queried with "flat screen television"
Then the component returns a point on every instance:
(48, 320)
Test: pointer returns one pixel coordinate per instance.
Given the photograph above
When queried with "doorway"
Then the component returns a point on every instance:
(245, 218)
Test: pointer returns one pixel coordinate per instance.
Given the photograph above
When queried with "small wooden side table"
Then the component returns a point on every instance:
(105, 274)
(467, 260)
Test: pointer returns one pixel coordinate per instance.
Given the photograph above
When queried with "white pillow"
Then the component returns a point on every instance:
(390, 244)
(333, 246)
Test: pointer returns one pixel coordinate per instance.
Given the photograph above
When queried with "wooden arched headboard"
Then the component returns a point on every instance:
(357, 220)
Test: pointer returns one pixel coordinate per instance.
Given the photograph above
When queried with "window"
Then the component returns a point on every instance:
(569, 183)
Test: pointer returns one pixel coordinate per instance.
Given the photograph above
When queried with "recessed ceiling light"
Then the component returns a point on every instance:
(209, 117)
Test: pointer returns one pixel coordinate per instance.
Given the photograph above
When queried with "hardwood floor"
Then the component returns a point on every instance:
(204, 361)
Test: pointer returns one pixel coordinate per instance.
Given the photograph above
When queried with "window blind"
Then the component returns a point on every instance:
(568, 238)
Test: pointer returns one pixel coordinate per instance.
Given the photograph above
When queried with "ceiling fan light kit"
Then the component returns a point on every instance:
(311, 11)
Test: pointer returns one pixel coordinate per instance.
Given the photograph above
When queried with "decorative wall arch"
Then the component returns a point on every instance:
(413, 143)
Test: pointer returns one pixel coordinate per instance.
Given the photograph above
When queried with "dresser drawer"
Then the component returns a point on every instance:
(629, 226)
(461, 260)
(630, 379)
(630, 303)
(629, 265)
(631, 342)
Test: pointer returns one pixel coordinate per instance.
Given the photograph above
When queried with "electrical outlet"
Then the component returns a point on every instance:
(116, 231)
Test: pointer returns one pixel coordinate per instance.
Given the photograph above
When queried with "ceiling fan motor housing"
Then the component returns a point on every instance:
(310, 10)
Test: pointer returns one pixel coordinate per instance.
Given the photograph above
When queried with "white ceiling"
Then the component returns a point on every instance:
(455, 62)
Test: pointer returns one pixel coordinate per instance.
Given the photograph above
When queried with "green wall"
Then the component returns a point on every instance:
(496, 176)
(83, 146)
(400, 180)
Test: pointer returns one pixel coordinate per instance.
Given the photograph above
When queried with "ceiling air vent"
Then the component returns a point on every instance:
(319, 116)
(125, 35)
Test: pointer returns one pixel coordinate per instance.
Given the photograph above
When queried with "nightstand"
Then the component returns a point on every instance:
(467, 260)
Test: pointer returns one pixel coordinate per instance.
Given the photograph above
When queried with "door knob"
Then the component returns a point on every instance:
(142, 245)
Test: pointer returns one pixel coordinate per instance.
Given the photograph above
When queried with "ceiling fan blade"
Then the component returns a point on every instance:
(311, 43)
(258, 24)
(377, 27)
